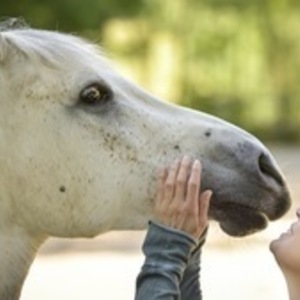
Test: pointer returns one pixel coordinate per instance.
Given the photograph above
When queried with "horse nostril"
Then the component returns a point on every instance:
(268, 168)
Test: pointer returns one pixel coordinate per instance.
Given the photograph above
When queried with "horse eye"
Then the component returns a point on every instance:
(95, 94)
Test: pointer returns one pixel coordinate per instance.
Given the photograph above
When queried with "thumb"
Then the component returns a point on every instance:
(204, 202)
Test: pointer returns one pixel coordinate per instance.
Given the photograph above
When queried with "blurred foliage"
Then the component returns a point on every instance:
(235, 59)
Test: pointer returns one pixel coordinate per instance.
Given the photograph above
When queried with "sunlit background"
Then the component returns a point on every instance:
(237, 59)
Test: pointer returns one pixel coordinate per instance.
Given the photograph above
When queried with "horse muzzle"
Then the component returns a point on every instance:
(249, 188)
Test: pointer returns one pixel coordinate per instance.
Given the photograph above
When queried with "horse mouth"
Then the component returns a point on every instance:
(239, 220)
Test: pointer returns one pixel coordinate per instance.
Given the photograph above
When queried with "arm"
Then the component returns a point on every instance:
(167, 252)
(190, 283)
(171, 244)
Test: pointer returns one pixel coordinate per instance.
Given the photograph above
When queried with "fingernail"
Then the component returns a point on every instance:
(196, 163)
(186, 159)
(209, 194)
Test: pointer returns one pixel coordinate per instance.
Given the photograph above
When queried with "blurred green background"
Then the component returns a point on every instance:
(237, 59)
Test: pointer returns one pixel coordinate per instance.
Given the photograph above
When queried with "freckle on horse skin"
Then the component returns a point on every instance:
(62, 188)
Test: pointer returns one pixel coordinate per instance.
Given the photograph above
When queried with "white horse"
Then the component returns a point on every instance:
(81, 146)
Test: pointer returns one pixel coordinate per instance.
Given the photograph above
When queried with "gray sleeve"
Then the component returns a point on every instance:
(168, 252)
(190, 283)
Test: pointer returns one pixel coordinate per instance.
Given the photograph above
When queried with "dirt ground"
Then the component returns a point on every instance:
(106, 267)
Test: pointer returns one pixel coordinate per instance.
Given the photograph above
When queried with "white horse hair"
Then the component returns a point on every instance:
(81, 146)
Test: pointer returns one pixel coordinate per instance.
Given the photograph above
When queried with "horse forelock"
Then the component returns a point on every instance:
(50, 48)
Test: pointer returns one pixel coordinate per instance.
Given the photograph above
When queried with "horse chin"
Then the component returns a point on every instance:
(238, 220)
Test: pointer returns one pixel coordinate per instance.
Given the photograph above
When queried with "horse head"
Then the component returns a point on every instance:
(81, 145)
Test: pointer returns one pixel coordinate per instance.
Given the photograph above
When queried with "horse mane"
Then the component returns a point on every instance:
(54, 49)
(12, 23)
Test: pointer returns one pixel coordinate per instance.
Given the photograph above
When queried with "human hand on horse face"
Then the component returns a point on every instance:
(180, 204)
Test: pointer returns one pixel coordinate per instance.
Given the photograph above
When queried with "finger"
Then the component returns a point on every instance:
(200, 175)
(182, 179)
(162, 176)
(204, 203)
(193, 188)
(169, 186)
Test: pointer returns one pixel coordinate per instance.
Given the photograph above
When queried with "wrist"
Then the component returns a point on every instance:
(164, 243)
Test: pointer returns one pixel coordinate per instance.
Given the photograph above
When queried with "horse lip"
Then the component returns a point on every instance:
(231, 229)
(225, 205)
(239, 220)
